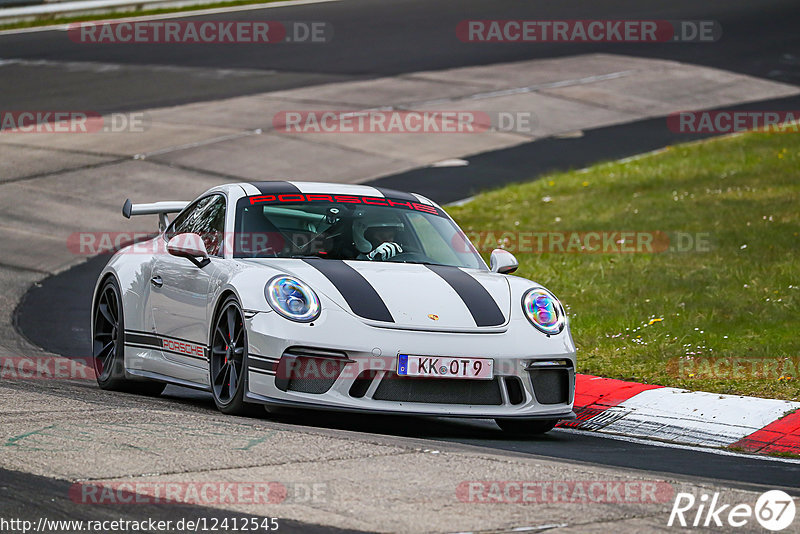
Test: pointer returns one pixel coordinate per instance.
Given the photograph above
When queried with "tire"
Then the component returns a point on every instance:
(526, 427)
(108, 345)
(227, 366)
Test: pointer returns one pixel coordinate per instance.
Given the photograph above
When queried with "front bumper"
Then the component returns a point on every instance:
(342, 364)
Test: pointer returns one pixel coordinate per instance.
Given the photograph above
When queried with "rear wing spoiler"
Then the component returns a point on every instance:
(154, 208)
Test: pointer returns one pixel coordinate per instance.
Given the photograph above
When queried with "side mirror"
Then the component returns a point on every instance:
(503, 262)
(191, 247)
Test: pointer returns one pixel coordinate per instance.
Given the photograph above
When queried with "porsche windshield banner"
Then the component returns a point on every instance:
(296, 198)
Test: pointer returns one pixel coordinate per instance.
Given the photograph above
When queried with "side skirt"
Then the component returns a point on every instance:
(168, 379)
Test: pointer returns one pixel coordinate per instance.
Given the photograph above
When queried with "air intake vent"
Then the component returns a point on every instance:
(309, 370)
(516, 394)
(438, 391)
(551, 386)
(361, 383)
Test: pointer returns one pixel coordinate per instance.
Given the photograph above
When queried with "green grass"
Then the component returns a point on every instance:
(651, 317)
(44, 20)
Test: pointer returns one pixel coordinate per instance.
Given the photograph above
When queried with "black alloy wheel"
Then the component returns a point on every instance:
(108, 345)
(227, 366)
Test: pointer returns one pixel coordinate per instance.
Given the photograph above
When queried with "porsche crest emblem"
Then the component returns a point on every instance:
(433, 317)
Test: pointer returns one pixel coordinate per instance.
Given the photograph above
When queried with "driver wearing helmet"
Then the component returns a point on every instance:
(375, 236)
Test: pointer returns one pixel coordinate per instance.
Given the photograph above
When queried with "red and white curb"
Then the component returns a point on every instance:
(686, 417)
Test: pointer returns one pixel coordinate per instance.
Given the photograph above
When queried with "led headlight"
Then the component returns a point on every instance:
(543, 310)
(292, 299)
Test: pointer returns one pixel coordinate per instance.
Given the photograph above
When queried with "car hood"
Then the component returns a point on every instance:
(409, 296)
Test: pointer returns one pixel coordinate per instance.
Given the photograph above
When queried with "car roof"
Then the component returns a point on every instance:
(327, 188)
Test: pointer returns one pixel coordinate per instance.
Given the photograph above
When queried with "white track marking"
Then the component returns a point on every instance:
(455, 162)
(460, 202)
(691, 417)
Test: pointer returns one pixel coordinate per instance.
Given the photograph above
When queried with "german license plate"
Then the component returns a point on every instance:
(439, 367)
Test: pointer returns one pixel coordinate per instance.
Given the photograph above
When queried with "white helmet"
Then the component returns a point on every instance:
(363, 224)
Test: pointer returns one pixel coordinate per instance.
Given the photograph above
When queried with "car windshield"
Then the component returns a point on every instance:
(349, 228)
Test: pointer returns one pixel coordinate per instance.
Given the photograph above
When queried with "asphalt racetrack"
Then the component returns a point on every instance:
(370, 39)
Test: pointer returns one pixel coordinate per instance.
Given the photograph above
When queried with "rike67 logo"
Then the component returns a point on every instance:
(774, 510)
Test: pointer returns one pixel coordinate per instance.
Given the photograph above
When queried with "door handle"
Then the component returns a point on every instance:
(157, 281)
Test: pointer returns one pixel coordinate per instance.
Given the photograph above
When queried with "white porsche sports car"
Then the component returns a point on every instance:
(332, 297)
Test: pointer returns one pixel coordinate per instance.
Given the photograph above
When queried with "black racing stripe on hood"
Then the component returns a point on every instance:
(480, 303)
(274, 188)
(359, 294)
(397, 195)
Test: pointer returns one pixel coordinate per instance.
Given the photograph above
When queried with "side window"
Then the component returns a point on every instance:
(206, 217)
(183, 223)
(210, 224)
